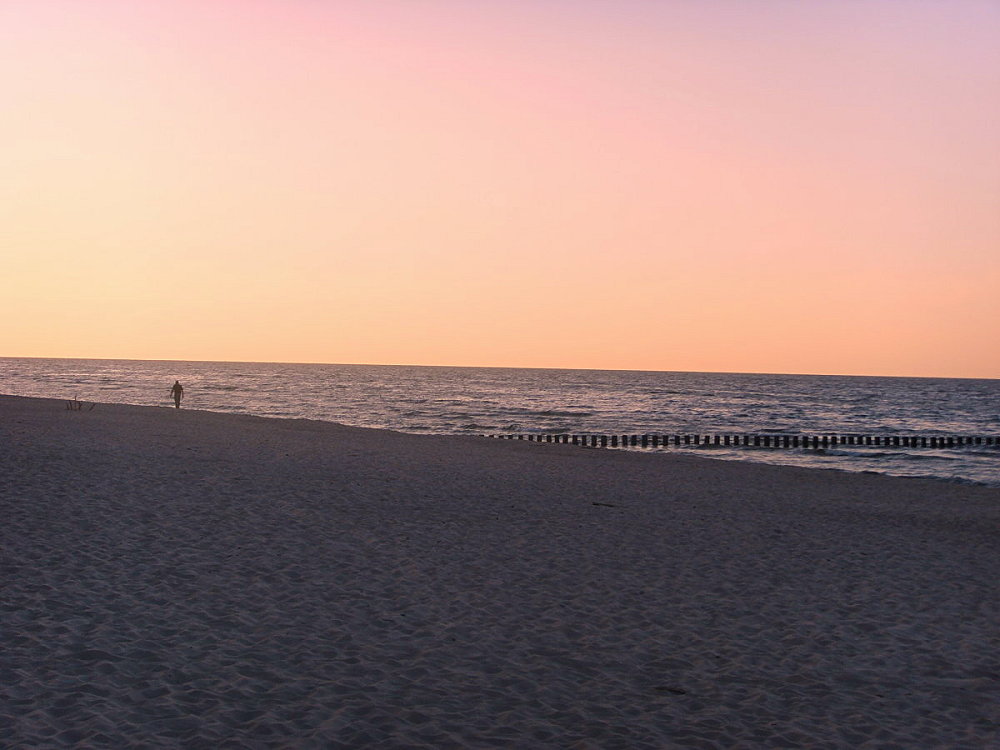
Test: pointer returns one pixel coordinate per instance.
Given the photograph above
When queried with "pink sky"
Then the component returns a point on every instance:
(728, 186)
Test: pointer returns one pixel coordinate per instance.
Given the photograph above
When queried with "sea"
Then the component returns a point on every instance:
(501, 401)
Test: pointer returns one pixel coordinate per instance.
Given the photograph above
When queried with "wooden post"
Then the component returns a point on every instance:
(655, 440)
(614, 441)
(604, 441)
(645, 441)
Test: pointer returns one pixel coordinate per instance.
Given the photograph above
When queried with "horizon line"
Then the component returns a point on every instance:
(509, 367)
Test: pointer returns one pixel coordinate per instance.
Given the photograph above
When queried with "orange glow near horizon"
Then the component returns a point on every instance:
(712, 186)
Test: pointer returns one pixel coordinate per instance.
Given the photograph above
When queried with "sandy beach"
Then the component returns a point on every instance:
(176, 578)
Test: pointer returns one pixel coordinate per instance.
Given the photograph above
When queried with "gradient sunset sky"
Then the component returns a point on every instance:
(745, 186)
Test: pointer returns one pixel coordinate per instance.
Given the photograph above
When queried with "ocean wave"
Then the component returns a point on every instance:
(879, 454)
(980, 450)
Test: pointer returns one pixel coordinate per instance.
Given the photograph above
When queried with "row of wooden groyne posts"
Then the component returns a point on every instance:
(757, 441)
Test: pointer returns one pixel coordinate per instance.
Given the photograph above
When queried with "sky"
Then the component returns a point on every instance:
(765, 186)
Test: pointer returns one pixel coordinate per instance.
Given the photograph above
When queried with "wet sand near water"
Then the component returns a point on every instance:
(175, 578)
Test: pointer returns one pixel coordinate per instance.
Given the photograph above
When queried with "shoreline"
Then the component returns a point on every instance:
(193, 577)
(765, 454)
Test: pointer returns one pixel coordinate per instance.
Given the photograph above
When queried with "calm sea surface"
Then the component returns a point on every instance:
(475, 400)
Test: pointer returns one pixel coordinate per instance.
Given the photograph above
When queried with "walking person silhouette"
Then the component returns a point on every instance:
(177, 391)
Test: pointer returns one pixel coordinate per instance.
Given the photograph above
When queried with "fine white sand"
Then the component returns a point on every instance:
(189, 579)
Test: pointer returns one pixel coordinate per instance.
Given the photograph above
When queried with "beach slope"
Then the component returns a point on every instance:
(182, 578)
